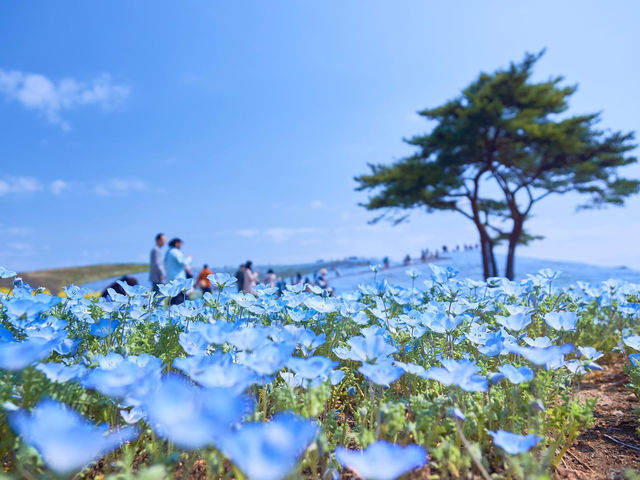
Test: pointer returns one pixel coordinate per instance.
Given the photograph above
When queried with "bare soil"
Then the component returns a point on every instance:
(606, 450)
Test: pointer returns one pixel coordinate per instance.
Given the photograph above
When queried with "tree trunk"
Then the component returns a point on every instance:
(489, 268)
(514, 239)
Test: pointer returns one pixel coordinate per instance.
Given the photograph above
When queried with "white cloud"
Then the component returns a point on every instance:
(282, 234)
(119, 186)
(278, 234)
(248, 233)
(10, 185)
(19, 246)
(50, 98)
(58, 186)
(19, 230)
(316, 204)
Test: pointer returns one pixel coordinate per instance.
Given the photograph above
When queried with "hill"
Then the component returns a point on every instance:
(54, 279)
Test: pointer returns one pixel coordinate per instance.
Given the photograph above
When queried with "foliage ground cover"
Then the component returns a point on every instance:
(456, 377)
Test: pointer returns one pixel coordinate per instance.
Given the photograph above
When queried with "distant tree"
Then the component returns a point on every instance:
(498, 149)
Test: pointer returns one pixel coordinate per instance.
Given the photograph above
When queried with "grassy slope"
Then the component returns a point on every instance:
(55, 278)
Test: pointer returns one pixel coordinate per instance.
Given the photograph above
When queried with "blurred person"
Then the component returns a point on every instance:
(177, 267)
(202, 282)
(250, 279)
(270, 278)
(117, 287)
(240, 277)
(323, 282)
(156, 263)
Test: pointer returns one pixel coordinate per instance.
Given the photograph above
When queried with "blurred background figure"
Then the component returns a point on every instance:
(202, 282)
(270, 278)
(117, 287)
(240, 276)
(177, 267)
(156, 263)
(250, 279)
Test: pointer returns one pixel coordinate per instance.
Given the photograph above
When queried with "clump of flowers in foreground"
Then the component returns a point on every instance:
(460, 376)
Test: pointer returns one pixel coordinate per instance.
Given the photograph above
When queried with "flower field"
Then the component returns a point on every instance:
(444, 378)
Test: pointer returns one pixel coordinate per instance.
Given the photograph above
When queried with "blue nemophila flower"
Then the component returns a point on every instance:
(578, 367)
(132, 290)
(191, 416)
(365, 349)
(66, 346)
(320, 304)
(216, 371)
(456, 413)
(309, 341)
(589, 353)
(516, 374)
(293, 380)
(66, 441)
(515, 322)
(442, 274)
(174, 287)
(248, 338)
(6, 273)
(19, 355)
(440, 322)
(513, 443)
(268, 359)
(269, 450)
(462, 373)
(562, 321)
(634, 358)
(74, 292)
(222, 280)
(121, 377)
(494, 344)
(539, 342)
(632, 341)
(551, 357)
(410, 368)
(412, 273)
(193, 343)
(104, 327)
(58, 372)
(381, 373)
(5, 335)
(30, 305)
(313, 367)
(382, 460)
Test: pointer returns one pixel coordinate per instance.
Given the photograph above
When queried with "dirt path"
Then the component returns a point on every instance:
(598, 453)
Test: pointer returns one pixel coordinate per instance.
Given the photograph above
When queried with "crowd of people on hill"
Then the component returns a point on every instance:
(173, 264)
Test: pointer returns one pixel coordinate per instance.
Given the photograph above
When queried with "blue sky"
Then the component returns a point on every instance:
(239, 125)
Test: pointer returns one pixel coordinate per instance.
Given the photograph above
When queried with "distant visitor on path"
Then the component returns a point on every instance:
(250, 279)
(240, 277)
(176, 266)
(156, 264)
(270, 278)
(323, 282)
(203, 283)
